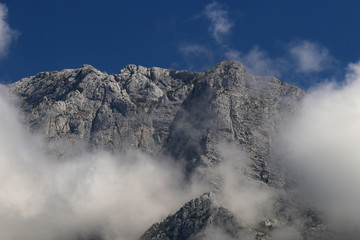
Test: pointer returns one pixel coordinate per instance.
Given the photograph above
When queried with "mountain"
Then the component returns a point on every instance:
(181, 113)
(199, 119)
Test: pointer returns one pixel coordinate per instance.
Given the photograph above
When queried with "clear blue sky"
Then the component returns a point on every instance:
(301, 42)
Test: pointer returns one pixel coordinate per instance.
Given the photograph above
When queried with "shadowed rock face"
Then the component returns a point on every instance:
(181, 114)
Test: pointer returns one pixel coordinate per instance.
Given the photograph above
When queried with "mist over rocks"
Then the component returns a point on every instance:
(217, 126)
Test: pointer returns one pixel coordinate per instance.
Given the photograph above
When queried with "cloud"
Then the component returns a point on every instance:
(321, 144)
(258, 62)
(295, 59)
(197, 57)
(310, 57)
(220, 234)
(83, 193)
(7, 35)
(233, 54)
(286, 233)
(220, 23)
(195, 50)
(304, 57)
(249, 199)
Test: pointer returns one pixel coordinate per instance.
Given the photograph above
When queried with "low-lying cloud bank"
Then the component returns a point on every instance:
(46, 197)
(321, 144)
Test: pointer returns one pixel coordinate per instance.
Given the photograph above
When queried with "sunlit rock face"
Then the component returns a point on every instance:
(186, 116)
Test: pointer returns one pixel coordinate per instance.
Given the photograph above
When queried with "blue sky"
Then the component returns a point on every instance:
(300, 42)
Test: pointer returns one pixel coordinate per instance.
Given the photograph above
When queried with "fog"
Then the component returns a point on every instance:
(249, 199)
(321, 145)
(43, 196)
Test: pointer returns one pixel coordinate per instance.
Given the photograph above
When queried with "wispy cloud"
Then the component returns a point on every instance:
(322, 145)
(260, 63)
(257, 61)
(233, 54)
(197, 57)
(195, 50)
(300, 57)
(310, 57)
(7, 35)
(220, 23)
(247, 198)
(294, 60)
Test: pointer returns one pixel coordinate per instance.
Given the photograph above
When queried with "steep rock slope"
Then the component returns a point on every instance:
(181, 114)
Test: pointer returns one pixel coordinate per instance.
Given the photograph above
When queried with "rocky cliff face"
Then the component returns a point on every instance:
(181, 114)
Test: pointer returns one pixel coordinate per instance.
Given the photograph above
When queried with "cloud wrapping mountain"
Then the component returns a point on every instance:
(321, 145)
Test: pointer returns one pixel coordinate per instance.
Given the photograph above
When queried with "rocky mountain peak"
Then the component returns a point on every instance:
(180, 113)
(183, 115)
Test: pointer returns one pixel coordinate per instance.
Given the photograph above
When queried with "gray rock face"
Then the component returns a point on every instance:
(182, 114)
(130, 109)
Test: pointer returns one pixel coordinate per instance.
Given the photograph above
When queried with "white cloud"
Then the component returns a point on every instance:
(305, 57)
(220, 23)
(197, 57)
(257, 62)
(7, 35)
(248, 199)
(300, 57)
(310, 57)
(233, 54)
(322, 145)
